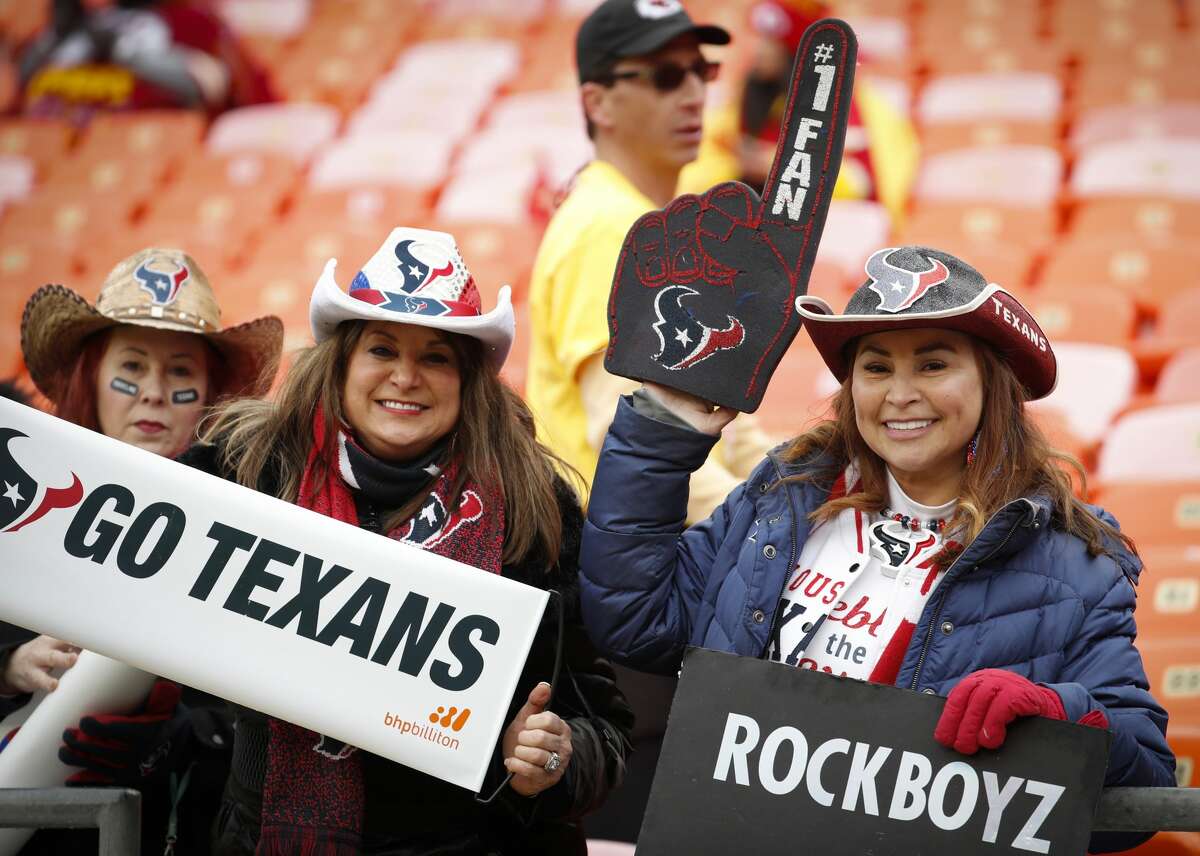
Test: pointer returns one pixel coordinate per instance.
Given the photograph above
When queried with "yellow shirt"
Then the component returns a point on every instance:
(568, 303)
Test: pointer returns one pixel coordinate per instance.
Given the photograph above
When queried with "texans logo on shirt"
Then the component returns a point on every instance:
(415, 272)
(432, 524)
(893, 550)
(898, 288)
(163, 288)
(20, 490)
(683, 339)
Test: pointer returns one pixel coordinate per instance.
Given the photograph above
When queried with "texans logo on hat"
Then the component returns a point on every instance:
(899, 288)
(21, 490)
(163, 288)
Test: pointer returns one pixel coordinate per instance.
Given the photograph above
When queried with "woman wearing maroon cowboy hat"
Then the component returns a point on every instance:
(925, 536)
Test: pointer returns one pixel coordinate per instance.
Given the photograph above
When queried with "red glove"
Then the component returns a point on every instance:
(126, 750)
(979, 709)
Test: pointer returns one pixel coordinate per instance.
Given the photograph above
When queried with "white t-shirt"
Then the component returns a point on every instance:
(860, 580)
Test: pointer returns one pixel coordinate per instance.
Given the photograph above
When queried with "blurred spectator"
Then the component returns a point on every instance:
(880, 156)
(136, 54)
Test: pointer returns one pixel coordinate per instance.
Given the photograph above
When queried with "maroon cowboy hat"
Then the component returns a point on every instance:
(917, 287)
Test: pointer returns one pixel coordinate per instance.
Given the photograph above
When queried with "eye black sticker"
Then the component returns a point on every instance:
(184, 396)
(123, 386)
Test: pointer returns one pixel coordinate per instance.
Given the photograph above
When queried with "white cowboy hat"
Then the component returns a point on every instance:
(416, 277)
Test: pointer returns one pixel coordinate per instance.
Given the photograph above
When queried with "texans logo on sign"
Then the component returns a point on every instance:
(432, 524)
(334, 750)
(162, 287)
(20, 490)
(683, 340)
(416, 273)
(898, 288)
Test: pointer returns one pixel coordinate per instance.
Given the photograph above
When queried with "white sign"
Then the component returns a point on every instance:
(381, 645)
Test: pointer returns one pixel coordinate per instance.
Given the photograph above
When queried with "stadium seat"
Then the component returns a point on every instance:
(1169, 592)
(167, 135)
(412, 159)
(279, 19)
(884, 41)
(295, 130)
(368, 210)
(828, 280)
(1027, 176)
(1174, 329)
(982, 224)
(44, 142)
(1102, 314)
(1156, 443)
(264, 172)
(214, 248)
(1145, 89)
(1179, 381)
(268, 286)
(447, 110)
(1094, 383)
(123, 183)
(799, 393)
(1148, 167)
(975, 47)
(1152, 272)
(1152, 512)
(308, 245)
(57, 225)
(853, 230)
(1135, 122)
(555, 151)
(1173, 668)
(16, 178)
(496, 254)
(1123, 25)
(484, 63)
(1169, 843)
(948, 136)
(1017, 97)
(1156, 218)
(1184, 740)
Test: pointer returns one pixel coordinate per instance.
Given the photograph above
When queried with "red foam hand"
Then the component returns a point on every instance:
(980, 708)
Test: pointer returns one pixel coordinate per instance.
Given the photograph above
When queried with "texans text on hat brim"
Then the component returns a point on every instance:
(331, 306)
(831, 332)
(57, 321)
(655, 38)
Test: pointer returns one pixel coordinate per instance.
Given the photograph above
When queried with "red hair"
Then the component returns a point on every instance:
(75, 400)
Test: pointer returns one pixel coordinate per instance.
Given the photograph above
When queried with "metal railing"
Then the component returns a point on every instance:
(116, 811)
(1134, 809)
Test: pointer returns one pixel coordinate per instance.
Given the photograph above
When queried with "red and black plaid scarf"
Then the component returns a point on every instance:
(314, 792)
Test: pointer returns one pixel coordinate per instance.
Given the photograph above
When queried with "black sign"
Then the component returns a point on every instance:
(703, 297)
(762, 758)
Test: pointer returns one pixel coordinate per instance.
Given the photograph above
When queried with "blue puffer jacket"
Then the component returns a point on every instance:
(1023, 596)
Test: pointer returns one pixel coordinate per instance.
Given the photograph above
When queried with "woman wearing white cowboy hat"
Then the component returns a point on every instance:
(925, 536)
(142, 365)
(397, 415)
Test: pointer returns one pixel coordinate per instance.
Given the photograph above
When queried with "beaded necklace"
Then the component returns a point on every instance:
(915, 523)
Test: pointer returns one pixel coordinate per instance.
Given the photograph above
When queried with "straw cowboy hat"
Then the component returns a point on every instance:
(159, 288)
(416, 277)
(911, 287)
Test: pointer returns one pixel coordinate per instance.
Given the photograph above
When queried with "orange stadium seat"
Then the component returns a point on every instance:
(1179, 381)
(42, 140)
(274, 287)
(1018, 97)
(214, 249)
(1147, 89)
(123, 183)
(829, 281)
(495, 195)
(1155, 218)
(799, 393)
(1095, 382)
(496, 255)
(339, 81)
(1102, 314)
(1007, 265)
(310, 245)
(21, 21)
(944, 137)
(1169, 843)
(854, 229)
(1173, 667)
(367, 210)
(1169, 592)
(1175, 328)
(1135, 122)
(295, 130)
(1162, 514)
(169, 135)
(16, 178)
(982, 223)
(1010, 175)
(56, 224)
(1184, 740)
(1123, 25)
(1152, 167)
(265, 172)
(1153, 273)
(1156, 443)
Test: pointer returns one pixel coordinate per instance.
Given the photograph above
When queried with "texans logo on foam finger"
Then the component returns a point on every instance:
(23, 501)
(703, 296)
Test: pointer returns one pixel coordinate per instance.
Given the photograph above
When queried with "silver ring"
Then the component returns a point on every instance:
(553, 764)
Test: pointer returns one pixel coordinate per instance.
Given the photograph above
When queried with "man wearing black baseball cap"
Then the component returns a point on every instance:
(642, 83)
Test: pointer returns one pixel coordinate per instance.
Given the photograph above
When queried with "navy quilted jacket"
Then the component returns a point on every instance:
(1023, 596)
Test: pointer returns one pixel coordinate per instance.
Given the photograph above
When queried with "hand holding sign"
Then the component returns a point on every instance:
(537, 745)
(704, 290)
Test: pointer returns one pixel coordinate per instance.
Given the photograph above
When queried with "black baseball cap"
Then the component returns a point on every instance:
(623, 28)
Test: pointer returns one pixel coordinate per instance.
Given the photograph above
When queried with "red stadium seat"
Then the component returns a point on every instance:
(1170, 843)
(1027, 176)
(1095, 382)
(1158, 443)
(1151, 167)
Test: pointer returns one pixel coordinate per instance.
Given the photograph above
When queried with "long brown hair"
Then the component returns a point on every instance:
(493, 439)
(1013, 458)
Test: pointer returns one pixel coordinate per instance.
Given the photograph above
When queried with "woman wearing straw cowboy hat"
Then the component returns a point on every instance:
(397, 414)
(927, 524)
(142, 365)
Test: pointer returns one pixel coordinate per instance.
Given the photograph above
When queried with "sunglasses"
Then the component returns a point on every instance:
(668, 76)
